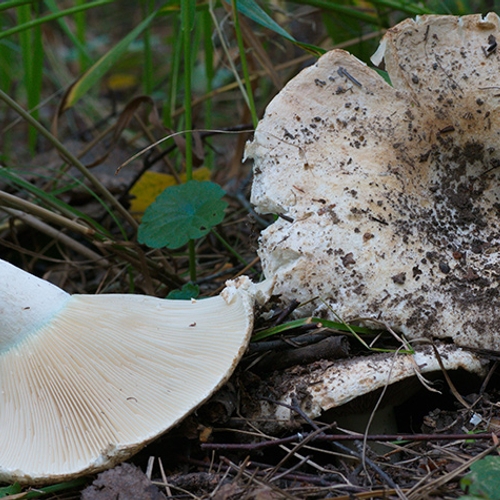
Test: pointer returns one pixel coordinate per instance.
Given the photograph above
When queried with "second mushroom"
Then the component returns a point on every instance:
(391, 192)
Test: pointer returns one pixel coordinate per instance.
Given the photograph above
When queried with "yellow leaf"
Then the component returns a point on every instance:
(121, 81)
(151, 184)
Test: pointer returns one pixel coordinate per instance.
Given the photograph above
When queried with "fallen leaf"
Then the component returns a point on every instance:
(125, 482)
(151, 184)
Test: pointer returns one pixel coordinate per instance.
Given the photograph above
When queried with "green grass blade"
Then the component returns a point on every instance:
(308, 321)
(208, 50)
(355, 331)
(330, 6)
(252, 10)
(78, 40)
(147, 8)
(188, 18)
(102, 66)
(174, 76)
(187, 25)
(229, 248)
(55, 488)
(83, 56)
(36, 22)
(407, 7)
(32, 58)
(9, 55)
(14, 3)
(244, 65)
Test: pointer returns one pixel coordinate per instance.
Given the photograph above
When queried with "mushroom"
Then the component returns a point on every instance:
(389, 196)
(352, 387)
(88, 380)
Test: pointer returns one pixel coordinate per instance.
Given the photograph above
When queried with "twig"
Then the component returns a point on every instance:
(15, 202)
(333, 347)
(57, 235)
(345, 449)
(350, 437)
(452, 387)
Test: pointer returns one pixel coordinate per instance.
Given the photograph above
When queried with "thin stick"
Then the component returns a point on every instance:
(57, 235)
(12, 201)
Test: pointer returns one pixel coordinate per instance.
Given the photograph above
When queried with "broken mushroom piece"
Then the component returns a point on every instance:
(88, 380)
(346, 385)
(390, 194)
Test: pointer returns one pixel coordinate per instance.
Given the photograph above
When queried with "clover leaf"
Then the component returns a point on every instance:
(188, 291)
(182, 213)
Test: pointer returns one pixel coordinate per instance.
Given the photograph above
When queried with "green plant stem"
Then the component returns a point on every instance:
(187, 21)
(244, 65)
(147, 8)
(84, 59)
(70, 158)
(188, 118)
(228, 247)
(209, 74)
(192, 260)
(173, 81)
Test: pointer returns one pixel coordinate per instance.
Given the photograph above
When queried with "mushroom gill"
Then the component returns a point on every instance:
(86, 381)
(391, 193)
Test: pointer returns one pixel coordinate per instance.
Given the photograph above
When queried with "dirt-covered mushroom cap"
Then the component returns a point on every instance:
(87, 380)
(391, 194)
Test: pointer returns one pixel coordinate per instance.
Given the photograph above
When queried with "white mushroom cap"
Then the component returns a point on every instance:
(88, 380)
(393, 192)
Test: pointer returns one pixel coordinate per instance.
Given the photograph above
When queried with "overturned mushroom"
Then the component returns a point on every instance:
(390, 194)
(350, 384)
(88, 380)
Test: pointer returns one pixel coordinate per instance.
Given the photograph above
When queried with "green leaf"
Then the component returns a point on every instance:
(102, 66)
(182, 213)
(483, 481)
(188, 291)
(10, 490)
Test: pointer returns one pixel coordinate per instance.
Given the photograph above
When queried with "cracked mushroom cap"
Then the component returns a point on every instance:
(391, 194)
(88, 380)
